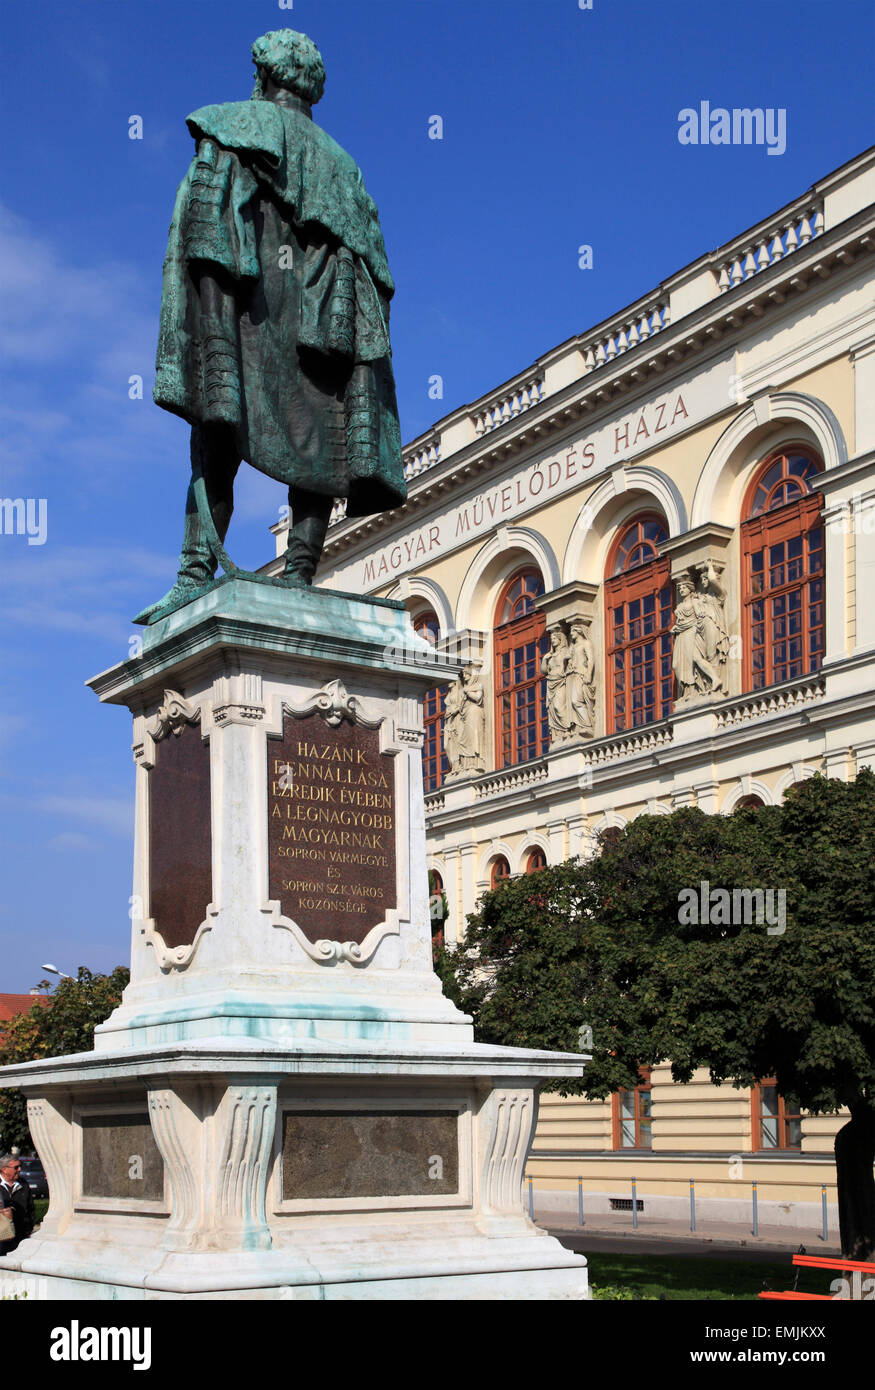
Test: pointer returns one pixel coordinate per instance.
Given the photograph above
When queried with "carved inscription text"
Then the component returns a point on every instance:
(331, 827)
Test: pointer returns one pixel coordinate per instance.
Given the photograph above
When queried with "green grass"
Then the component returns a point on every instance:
(685, 1277)
(40, 1207)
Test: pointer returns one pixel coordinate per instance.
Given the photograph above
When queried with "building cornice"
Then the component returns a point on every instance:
(701, 335)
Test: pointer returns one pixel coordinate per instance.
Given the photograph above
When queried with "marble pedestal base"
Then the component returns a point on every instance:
(237, 1202)
(284, 1104)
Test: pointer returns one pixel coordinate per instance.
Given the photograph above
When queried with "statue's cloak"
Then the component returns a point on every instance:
(292, 349)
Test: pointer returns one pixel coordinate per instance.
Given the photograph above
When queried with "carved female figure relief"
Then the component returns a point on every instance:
(554, 670)
(581, 679)
(464, 724)
(701, 640)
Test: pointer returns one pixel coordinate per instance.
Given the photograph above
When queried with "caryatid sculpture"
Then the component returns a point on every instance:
(274, 338)
(701, 639)
(569, 671)
(465, 724)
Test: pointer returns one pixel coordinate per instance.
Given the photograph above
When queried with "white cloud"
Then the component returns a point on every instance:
(71, 839)
(115, 814)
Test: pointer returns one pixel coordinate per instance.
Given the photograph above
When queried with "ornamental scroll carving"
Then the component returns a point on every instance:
(465, 724)
(171, 717)
(701, 639)
(569, 671)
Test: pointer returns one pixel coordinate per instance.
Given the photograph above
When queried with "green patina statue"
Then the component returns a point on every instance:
(274, 339)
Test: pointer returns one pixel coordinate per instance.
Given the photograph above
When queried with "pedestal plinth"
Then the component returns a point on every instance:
(285, 1105)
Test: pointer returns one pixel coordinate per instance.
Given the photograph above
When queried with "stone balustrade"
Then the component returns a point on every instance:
(628, 745)
(511, 779)
(777, 700)
(624, 333)
(507, 405)
(419, 456)
(772, 243)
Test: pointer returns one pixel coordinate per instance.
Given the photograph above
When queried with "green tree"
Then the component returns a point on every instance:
(61, 1021)
(606, 944)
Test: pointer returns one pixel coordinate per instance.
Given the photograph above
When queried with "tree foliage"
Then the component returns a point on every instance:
(601, 943)
(60, 1021)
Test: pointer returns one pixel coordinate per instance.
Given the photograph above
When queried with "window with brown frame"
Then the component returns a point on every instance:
(639, 617)
(776, 1119)
(783, 571)
(631, 1115)
(499, 872)
(536, 860)
(436, 910)
(434, 759)
(520, 641)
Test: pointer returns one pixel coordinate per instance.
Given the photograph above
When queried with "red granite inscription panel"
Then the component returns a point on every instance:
(180, 836)
(331, 827)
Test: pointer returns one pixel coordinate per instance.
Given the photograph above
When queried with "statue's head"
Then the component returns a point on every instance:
(291, 60)
(685, 588)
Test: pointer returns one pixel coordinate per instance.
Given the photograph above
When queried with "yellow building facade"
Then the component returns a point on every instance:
(654, 550)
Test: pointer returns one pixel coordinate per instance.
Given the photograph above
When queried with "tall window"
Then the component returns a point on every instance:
(436, 911)
(434, 759)
(782, 557)
(777, 1121)
(639, 619)
(632, 1124)
(521, 728)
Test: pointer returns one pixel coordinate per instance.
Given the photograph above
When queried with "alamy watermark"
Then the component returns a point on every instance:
(742, 125)
(25, 516)
(740, 907)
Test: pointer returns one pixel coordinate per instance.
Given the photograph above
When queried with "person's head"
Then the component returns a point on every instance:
(289, 60)
(10, 1167)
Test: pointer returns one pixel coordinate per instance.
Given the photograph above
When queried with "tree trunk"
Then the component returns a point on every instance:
(855, 1154)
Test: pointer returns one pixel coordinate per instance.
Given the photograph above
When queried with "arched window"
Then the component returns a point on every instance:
(500, 872)
(436, 910)
(782, 558)
(536, 860)
(434, 759)
(521, 729)
(639, 619)
(748, 801)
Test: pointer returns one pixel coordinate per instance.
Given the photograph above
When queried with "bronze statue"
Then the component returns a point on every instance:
(274, 339)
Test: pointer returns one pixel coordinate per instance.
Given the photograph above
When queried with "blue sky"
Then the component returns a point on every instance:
(560, 127)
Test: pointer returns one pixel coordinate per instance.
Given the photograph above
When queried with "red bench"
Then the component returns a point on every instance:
(821, 1262)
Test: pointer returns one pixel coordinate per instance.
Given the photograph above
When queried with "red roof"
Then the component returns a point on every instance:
(12, 1004)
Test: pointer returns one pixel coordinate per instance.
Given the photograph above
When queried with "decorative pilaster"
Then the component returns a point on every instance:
(507, 1123)
(246, 1120)
(51, 1126)
(178, 1119)
(216, 1144)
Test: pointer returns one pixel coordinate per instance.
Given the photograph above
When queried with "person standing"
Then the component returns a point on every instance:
(16, 1202)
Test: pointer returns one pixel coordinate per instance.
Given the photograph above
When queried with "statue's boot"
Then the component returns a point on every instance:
(214, 452)
(310, 514)
(186, 588)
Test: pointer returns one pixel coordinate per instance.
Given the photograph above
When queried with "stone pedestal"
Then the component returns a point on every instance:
(285, 1105)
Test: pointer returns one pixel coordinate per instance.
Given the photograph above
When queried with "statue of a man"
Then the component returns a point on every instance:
(274, 340)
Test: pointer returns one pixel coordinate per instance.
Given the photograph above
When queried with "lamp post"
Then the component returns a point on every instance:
(55, 971)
